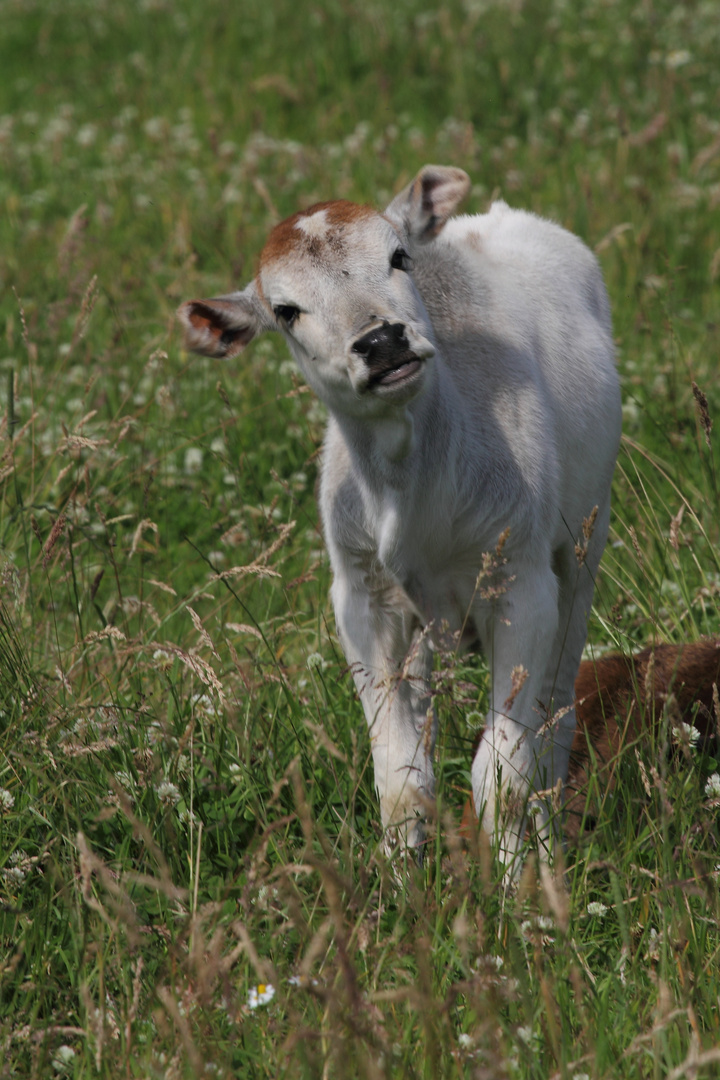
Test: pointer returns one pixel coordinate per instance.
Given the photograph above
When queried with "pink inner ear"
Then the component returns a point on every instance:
(202, 322)
(210, 328)
(205, 318)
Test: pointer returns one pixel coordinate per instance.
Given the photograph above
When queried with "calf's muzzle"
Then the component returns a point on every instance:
(387, 353)
(383, 345)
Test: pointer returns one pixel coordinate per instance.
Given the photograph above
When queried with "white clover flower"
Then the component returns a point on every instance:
(7, 800)
(677, 58)
(167, 792)
(63, 1059)
(14, 874)
(117, 144)
(203, 702)
(193, 459)
(686, 734)
(162, 659)
(543, 923)
(262, 994)
(525, 1034)
(630, 413)
(231, 194)
(86, 135)
(155, 127)
(598, 909)
(123, 777)
(57, 128)
(465, 1040)
(712, 787)
(315, 660)
(155, 733)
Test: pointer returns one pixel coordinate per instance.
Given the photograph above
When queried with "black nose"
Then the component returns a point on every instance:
(382, 344)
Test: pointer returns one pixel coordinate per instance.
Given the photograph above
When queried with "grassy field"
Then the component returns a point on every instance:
(186, 799)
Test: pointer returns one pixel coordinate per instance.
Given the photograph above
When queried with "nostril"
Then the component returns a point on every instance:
(381, 341)
(363, 345)
(398, 333)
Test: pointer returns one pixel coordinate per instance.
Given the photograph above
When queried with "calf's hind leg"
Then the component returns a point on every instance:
(514, 758)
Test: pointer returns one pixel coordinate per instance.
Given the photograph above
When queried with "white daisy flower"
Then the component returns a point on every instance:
(262, 994)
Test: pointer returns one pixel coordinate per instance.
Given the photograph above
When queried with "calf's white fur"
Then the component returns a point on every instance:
(468, 369)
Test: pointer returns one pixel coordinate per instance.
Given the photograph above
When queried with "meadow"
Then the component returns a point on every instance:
(187, 813)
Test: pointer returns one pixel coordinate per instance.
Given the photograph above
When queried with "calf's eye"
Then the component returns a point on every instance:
(286, 313)
(400, 260)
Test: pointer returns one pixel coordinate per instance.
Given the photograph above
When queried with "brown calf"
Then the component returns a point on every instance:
(618, 697)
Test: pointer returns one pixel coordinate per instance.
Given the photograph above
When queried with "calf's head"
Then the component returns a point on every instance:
(336, 281)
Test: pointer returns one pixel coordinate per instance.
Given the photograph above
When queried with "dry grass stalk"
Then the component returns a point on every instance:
(518, 677)
(204, 636)
(198, 666)
(701, 402)
(179, 1019)
(55, 534)
(86, 309)
(588, 527)
(93, 867)
(675, 523)
(144, 525)
(70, 244)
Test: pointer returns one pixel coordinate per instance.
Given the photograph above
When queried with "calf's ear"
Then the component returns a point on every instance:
(423, 207)
(224, 325)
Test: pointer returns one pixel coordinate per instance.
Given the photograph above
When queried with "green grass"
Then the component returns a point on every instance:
(189, 807)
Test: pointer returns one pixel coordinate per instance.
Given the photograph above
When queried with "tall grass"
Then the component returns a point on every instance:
(186, 803)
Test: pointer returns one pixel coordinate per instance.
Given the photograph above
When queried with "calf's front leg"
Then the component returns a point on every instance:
(391, 661)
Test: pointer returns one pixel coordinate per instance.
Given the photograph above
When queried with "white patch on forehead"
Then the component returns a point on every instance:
(314, 225)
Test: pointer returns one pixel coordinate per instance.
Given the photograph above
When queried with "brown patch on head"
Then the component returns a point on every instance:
(315, 231)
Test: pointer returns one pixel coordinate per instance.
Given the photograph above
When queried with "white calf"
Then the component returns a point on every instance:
(468, 369)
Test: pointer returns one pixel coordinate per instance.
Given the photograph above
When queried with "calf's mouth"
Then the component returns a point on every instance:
(400, 368)
(388, 355)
